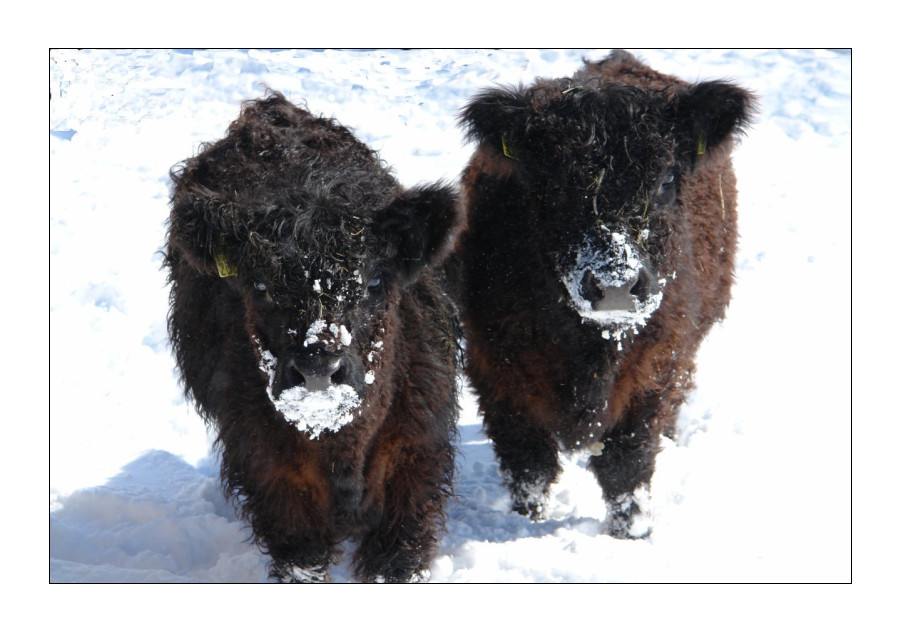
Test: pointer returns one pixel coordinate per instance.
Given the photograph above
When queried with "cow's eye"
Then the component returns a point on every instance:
(668, 187)
(260, 287)
(375, 288)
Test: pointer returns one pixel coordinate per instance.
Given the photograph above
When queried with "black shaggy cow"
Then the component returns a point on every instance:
(313, 334)
(599, 251)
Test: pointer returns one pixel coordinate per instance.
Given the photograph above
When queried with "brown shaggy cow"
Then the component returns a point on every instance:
(600, 250)
(313, 334)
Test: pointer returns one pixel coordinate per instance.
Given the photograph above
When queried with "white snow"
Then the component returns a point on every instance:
(756, 488)
(313, 412)
(340, 333)
(312, 332)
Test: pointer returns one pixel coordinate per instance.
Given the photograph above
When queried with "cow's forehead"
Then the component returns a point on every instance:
(618, 128)
(308, 243)
(609, 151)
(334, 274)
(330, 278)
(604, 111)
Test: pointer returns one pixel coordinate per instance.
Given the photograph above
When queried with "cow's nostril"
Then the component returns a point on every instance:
(315, 373)
(641, 287)
(591, 289)
(339, 377)
(295, 376)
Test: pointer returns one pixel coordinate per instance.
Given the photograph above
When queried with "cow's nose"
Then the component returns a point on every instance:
(316, 373)
(619, 295)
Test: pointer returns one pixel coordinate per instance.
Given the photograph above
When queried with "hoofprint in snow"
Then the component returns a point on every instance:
(312, 412)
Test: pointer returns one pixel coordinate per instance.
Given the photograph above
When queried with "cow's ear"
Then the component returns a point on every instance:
(709, 113)
(198, 231)
(495, 114)
(420, 226)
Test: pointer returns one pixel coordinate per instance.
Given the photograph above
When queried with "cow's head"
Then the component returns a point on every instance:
(305, 225)
(601, 166)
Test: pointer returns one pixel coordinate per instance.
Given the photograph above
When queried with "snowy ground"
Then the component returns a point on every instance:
(757, 487)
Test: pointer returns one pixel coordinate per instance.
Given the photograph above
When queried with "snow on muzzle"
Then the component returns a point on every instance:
(314, 388)
(609, 284)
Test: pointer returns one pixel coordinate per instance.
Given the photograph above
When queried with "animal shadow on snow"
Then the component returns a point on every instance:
(158, 520)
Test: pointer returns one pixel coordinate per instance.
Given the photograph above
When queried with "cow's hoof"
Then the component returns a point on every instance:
(303, 575)
(533, 509)
(627, 519)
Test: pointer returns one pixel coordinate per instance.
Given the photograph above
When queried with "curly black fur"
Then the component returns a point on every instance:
(287, 221)
(628, 170)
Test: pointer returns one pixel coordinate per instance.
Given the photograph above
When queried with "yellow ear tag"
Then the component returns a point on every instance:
(508, 151)
(701, 145)
(225, 267)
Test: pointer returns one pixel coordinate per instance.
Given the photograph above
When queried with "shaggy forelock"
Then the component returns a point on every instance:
(608, 121)
(606, 144)
(291, 192)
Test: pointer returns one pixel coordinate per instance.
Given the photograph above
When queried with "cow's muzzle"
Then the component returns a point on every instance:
(314, 369)
(626, 294)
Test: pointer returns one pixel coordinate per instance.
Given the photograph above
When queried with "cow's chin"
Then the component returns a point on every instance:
(313, 412)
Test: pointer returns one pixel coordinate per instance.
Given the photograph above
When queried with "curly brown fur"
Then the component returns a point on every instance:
(611, 190)
(290, 237)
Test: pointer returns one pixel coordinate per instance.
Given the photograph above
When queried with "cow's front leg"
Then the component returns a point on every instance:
(295, 530)
(280, 489)
(624, 467)
(528, 457)
(405, 505)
